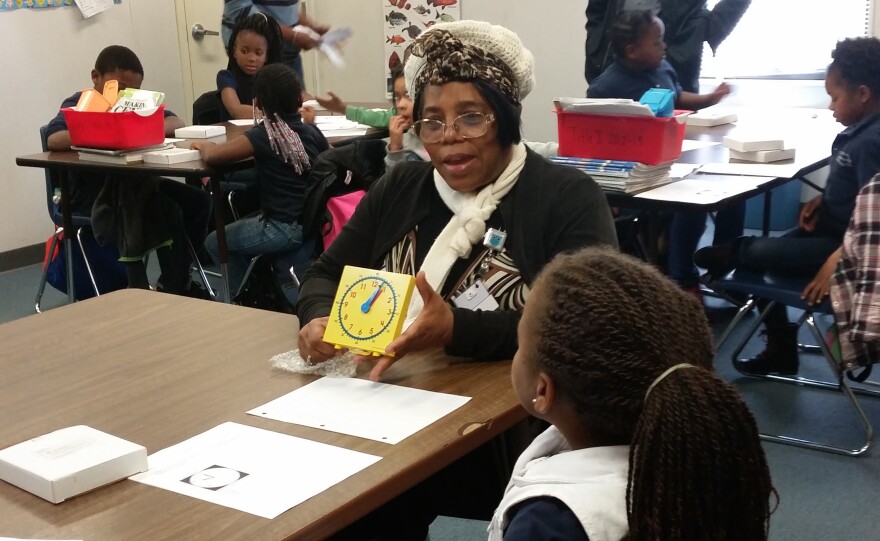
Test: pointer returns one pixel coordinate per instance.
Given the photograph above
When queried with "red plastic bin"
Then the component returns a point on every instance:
(644, 139)
(115, 131)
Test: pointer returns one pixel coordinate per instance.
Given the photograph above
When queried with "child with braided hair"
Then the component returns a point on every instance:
(283, 148)
(646, 441)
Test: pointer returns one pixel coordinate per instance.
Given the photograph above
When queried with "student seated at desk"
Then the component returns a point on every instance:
(637, 40)
(284, 149)
(120, 209)
(814, 248)
(619, 361)
(254, 43)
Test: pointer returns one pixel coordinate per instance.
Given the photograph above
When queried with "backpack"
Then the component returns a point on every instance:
(262, 289)
(109, 272)
(339, 172)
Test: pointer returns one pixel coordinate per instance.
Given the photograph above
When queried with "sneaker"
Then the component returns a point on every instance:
(717, 260)
(779, 357)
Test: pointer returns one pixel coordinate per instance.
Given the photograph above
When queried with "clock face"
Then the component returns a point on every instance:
(368, 310)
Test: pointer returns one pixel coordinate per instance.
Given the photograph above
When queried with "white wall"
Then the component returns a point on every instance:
(50, 53)
(554, 33)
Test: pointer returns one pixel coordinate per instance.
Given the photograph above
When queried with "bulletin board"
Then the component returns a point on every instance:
(405, 20)
(6, 5)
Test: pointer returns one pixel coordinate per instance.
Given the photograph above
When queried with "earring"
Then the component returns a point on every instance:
(534, 401)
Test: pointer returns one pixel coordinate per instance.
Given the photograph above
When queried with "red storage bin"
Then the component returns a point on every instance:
(644, 139)
(115, 131)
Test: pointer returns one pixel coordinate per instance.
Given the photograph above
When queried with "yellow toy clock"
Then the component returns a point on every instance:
(369, 310)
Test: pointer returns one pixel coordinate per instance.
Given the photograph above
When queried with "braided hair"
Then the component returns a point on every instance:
(265, 26)
(277, 95)
(609, 326)
(857, 62)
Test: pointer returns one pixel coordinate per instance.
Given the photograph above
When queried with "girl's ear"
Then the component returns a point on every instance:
(545, 394)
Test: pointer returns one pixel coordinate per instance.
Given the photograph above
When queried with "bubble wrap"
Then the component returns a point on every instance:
(341, 366)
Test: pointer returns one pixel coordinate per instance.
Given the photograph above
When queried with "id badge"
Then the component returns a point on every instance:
(476, 297)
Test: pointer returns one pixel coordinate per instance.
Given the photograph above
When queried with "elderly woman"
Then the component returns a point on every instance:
(429, 219)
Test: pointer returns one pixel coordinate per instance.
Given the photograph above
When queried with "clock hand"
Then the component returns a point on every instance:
(369, 302)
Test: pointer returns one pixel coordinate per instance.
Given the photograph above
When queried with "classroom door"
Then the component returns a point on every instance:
(202, 51)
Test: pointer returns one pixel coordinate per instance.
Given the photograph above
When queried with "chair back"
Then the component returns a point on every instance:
(339, 171)
(208, 109)
(52, 180)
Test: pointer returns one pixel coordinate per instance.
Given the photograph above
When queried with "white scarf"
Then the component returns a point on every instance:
(467, 226)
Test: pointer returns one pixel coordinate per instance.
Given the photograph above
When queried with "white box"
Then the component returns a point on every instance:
(743, 143)
(172, 155)
(70, 461)
(199, 132)
(763, 156)
(710, 118)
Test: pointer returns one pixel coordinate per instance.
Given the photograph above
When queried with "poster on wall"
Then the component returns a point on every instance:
(6, 5)
(405, 20)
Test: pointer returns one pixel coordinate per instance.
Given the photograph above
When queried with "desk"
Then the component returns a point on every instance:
(810, 131)
(157, 369)
(68, 162)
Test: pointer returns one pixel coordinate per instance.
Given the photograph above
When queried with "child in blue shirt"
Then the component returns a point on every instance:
(637, 39)
(640, 423)
(185, 210)
(254, 43)
(814, 248)
(284, 149)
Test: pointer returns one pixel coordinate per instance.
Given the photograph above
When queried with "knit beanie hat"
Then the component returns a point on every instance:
(466, 50)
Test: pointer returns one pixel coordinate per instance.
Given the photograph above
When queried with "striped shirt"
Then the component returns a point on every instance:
(855, 292)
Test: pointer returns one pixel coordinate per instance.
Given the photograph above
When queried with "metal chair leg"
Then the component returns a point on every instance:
(230, 197)
(201, 271)
(82, 250)
(840, 385)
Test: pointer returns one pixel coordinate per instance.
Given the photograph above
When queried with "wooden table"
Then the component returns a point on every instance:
(157, 369)
(67, 163)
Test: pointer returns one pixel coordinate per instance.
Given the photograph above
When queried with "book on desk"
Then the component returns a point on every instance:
(118, 156)
(618, 175)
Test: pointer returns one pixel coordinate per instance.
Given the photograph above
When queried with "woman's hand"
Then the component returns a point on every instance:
(332, 102)
(432, 328)
(397, 126)
(817, 289)
(809, 214)
(312, 346)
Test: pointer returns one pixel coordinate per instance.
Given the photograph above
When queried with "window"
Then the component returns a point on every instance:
(786, 39)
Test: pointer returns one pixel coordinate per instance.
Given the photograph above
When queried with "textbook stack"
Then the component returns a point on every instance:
(620, 176)
(118, 157)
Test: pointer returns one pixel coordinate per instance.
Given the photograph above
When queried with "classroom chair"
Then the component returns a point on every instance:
(787, 291)
(79, 222)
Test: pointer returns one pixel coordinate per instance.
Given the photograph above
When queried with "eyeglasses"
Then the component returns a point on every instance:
(468, 126)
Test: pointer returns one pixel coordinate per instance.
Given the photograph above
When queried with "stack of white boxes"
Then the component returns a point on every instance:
(757, 149)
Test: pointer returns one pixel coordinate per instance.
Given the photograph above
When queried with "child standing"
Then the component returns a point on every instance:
(255, 42)
(646, 443)
(284, 149)
(814, 248)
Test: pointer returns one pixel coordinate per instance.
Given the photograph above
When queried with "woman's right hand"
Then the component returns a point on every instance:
(312, 346)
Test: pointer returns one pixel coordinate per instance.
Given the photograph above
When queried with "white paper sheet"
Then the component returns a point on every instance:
(89, 8)
(703, 191)
(681, 170)
(752, 169)
(691, 144)
(250, 469)
(241, 121)
(375, 411)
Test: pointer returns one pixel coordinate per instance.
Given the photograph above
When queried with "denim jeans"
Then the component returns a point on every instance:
(253, 236)
(685, 231)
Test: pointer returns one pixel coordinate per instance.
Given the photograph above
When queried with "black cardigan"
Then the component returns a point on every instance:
(551, 209)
